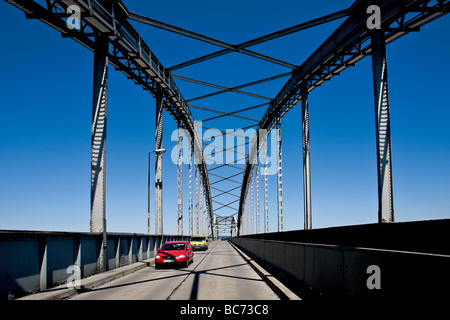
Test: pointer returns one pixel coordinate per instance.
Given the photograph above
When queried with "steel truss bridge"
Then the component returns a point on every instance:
(105, 28)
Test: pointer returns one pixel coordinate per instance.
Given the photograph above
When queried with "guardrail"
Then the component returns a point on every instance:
(34, 261)
(352, 273)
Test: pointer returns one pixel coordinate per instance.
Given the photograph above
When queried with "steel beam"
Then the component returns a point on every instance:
(226, 192)
(190, 173)
(257, 199)
(279, 180)
(202, 206)
(98, 141)
(382, 126)
(230, 114)
(247, 213)
(296, 28)
(148, 194)
(266, 190)
(223, 89)
(226, 51)
(98, 145)
(200, 37)
(252, 221)
(227, 205)
(158, 165)
(180, 183)
(306, 160)
(241, 47)
(197, 200)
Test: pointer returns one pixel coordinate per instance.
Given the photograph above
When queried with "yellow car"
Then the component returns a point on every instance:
(199, 242)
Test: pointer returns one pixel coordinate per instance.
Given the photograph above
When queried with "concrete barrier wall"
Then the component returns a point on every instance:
(35, 261)
(342, 272)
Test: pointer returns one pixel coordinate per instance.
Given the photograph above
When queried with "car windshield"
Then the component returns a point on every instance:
(198, 239)
(173, 246)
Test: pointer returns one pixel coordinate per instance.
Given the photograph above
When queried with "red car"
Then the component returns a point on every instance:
(174, 252)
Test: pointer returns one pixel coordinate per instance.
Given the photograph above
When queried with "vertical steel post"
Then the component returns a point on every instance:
(258, 230)
(191, 221)
(197, 200)
(247, 212)
(130, 250)
(306, 159)
(266, 189)
(148, 195)
(201, 227)
(43, 264)
(77, 257)
(180, 183)
(98, 139)
(279, 180)
(117, 257)
(382, 126)
(98, 145)
(252, 221)
(158, 164)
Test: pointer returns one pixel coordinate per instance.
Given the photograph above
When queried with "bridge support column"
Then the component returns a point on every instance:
(98, 145)
(266, 190)
(257, 199)
(382, 125)
(249, 213)
(180, 182)
(252, 221)
(158, 165)
(279, 180)
(190, 172)
(201, 207)
(306, 160)
(197, 200)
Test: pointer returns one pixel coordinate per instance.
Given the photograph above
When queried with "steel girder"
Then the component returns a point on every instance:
(306, 161)
(222, 224)
(159, 165)
(347, 45)
(241, 48)
(98, 146)
(228, 47)
(180, 183)
(383, 130)
(128, 53)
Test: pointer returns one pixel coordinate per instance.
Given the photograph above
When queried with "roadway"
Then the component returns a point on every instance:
(219, 273)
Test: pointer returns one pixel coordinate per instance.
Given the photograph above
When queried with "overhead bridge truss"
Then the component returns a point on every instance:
(350, 43)
(128, 53)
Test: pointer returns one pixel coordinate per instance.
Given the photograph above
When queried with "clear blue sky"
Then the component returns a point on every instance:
(46, 105)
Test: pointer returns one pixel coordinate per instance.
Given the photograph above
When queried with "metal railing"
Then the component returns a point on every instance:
(34, 261)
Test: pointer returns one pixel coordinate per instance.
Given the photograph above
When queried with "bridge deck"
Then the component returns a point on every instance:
(217, 274)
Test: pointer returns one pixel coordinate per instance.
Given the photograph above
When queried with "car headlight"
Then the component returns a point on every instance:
(158, 256)
(182, 256)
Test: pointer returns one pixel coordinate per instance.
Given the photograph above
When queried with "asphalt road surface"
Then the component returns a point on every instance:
(219, 273)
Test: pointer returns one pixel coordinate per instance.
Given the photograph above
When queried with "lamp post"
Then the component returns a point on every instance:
(157, 151)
